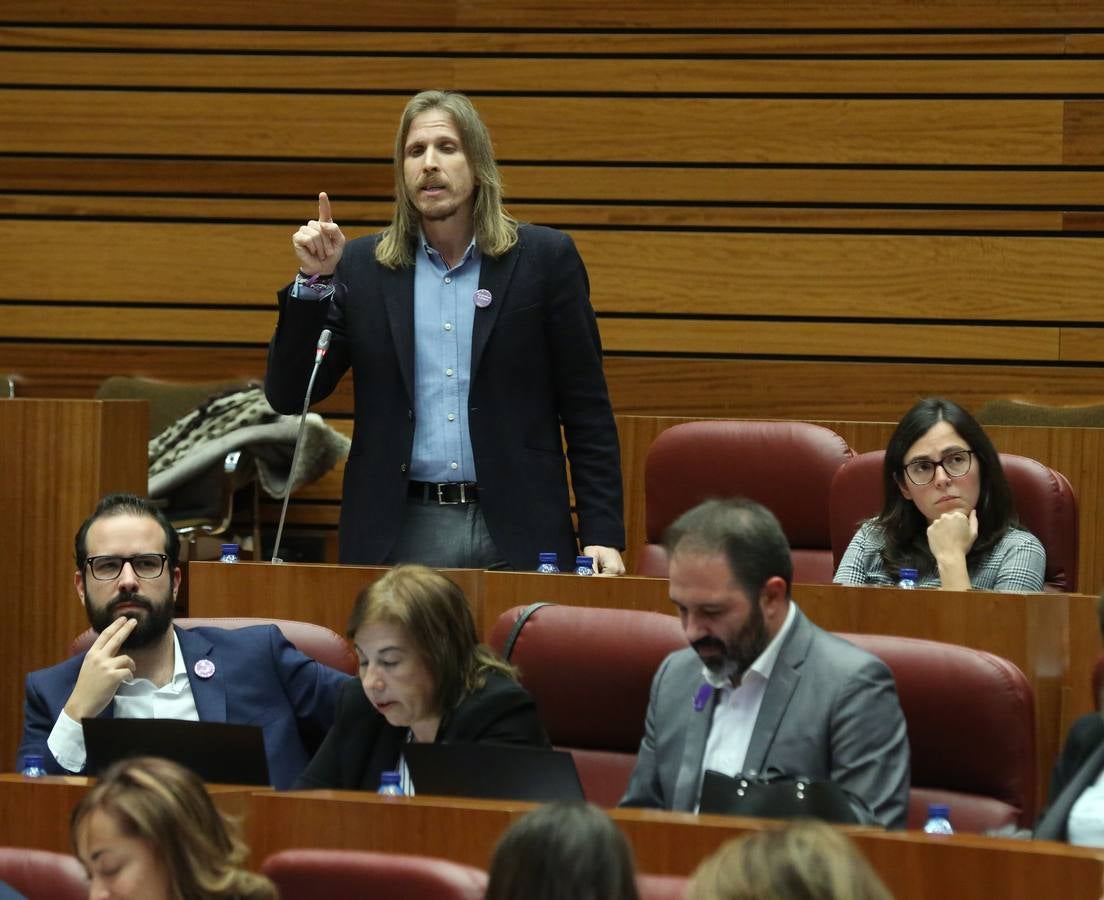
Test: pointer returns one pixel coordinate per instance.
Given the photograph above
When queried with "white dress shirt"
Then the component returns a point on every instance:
(1085, 826)
(135, 698)
(737, 708)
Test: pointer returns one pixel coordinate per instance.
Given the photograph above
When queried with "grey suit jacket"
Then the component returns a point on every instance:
(830, 711)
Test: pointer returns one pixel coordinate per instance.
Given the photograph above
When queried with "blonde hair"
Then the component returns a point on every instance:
(495, 229)
(434, 614)
(168, 807)
(805, 861)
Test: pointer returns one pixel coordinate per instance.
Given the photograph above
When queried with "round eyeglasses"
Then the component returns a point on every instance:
(145, 565)
(956, 464)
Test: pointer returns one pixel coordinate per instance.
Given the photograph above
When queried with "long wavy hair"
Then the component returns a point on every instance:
(167, 806)
(903, 525)
(434, 614)
(495, 229)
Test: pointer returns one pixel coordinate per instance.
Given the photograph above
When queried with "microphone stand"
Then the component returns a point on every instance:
(319, 355)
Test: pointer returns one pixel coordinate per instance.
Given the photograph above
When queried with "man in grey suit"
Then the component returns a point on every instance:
(761, 689)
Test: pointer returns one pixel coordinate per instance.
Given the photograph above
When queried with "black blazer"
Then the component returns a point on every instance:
(362, 743)
(1078, 767)
(536, 363)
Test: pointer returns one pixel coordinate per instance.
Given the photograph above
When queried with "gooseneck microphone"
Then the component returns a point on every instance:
(319, 354)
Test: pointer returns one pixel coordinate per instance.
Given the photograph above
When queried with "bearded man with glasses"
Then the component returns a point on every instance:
(140, 666)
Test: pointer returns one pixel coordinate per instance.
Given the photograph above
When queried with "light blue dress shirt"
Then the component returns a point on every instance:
(444, 312)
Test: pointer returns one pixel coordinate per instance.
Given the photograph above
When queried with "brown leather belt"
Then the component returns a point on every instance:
(446, 493)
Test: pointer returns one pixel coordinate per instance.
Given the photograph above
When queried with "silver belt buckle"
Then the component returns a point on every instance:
(441, 495)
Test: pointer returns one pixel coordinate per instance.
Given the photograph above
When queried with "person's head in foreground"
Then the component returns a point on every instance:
(805, 861)
(563, 851)
(418, 650)
(149, 830)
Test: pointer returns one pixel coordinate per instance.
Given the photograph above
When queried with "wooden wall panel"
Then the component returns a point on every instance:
(570, 129)
(800, 209)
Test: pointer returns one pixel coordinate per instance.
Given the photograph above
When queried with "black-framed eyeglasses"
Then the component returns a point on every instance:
(956, 464)
(145, 565)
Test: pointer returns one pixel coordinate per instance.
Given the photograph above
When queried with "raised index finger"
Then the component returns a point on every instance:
(324, 213)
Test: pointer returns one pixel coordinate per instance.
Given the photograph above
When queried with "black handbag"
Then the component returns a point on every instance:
(781, 797)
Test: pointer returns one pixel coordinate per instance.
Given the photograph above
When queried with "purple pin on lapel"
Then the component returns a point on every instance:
(702, 696)
(204, 668)
(482, 298)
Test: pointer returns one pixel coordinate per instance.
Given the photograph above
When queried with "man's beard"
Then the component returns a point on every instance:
(150, 628)
(736, 656)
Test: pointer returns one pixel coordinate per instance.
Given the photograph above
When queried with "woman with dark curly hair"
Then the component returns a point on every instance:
(948, 511)
(149, 830)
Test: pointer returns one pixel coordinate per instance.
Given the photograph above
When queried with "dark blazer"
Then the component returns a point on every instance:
(830, 711)
(362, 743)
(259, 679)
(536, 362)
(1077, 768)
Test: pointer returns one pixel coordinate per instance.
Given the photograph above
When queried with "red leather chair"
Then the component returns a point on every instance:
(1045, 502)
(786, 466)
(590, 671)
(662, 887)
(315, 641)
(353, 874)
(42, 874)
(971, 728)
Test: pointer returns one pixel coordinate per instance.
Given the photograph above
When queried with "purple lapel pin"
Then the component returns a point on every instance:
(702, 696)
(204, 668)
(482, 298)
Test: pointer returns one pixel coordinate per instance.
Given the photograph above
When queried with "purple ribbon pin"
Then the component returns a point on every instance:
(482, 298)
(702, 696)
(204, 668)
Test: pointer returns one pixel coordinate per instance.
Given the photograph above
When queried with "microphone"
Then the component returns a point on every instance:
(320, 350)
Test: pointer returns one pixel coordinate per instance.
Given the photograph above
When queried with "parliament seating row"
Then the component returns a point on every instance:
(821, 491)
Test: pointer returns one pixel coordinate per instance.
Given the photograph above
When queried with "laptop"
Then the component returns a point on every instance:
(493, 772)
(216, 751)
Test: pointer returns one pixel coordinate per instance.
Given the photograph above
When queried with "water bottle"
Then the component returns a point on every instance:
(938, 823)
(549, 563)
(34, 766)
(229, 553)
(390, 784)
(584, 565)
(908, 579)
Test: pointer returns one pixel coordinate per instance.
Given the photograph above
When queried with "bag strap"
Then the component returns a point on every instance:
(515, 632)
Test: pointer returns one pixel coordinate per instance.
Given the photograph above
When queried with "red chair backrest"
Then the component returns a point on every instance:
(971, 727)
(354, 874)
(786, 466)
(42, 873)
(1045, 503)
(662, 887)
(315, 641)
(590, 672)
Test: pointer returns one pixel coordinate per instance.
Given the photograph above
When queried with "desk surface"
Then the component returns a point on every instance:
(915, 866)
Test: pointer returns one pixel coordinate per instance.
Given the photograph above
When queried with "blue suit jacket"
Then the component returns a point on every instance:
(259, 679)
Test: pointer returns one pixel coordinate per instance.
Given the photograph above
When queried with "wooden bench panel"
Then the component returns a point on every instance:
(366, 214)
(574, 43)
(360, 181)
(542, 74)
(956, 278)
(962, 132)
(617, 14)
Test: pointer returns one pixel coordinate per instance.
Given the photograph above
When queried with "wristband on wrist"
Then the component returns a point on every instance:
(311, 279)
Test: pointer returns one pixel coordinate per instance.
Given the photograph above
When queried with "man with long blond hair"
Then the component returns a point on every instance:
(472, 340)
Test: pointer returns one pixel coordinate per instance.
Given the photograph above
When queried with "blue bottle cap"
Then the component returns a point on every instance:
(938, 810)
(546, 557)
(587, 561)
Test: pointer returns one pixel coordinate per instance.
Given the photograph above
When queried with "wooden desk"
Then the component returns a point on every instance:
(914, 866)
(307, 592)
(34, 812)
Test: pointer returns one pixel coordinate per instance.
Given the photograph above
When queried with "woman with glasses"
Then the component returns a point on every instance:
(948, 511)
